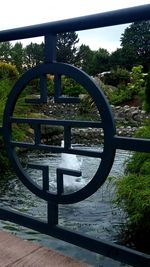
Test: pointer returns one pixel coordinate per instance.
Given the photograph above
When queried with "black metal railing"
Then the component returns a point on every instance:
(111, 140)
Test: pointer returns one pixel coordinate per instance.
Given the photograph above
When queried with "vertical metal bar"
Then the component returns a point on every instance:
(60, 182)
(52, 213)
(37, 134)
(67, 137)
(50, 48)
(45, 178)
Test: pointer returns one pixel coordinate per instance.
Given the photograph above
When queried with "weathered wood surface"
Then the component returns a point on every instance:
(15, 252)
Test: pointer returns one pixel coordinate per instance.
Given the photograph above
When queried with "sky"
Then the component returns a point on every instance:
(19, 13)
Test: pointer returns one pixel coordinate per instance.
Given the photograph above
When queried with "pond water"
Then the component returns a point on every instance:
(95, 216)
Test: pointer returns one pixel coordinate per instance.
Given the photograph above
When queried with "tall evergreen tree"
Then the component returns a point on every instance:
(66, 47)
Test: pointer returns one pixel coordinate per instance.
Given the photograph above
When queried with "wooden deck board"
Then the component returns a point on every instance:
(15, 252)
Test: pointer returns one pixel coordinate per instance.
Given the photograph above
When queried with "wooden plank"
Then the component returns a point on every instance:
(15, 252)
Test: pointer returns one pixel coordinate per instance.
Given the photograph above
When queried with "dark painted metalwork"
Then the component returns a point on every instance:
(106, 123)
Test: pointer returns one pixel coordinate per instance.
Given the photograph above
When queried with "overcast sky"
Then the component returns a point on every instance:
(19, 13)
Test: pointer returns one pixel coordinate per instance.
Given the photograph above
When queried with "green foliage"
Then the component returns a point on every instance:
(128, 85)
(4, 162)
(118, 60)
(5, 51)
(120, 96)
(8, 71)
(147, 94)
(138, 163)
(50, 85)
(135, 43)
(33, 55)
(17, 56)
(70, 87)
(100, 61)
(137, 82)
(133, 195)
(117, 77)
(134, 191)
(86, 105)
(85, 59)
(9, 75)
(66, 47)
(5, 88)
(115, 95)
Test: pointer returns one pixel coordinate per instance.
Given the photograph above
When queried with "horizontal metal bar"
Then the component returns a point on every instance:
(72, 123)
(104, 19)
(58, 149)
(68, 172)
(133, 144)
(38, 167)
(105, 248)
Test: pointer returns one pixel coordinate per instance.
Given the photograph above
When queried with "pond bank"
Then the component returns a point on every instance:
(128, 119)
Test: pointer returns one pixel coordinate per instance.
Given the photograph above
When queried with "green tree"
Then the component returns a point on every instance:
(34, 54)
(66, 47)
(101, 61)
(5, 51)
(85, 58)
(17, 56)
(116, 58)
(135, 42)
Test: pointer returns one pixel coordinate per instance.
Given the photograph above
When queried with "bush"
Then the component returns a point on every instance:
(128, 85)
(70, 87)
(137, 82)
(8, 71)
(133, 195)
(147, 94)
(8, 78)
(4, 162)
(121, 95)
(117, 77)
(5, 88)
(115, 95)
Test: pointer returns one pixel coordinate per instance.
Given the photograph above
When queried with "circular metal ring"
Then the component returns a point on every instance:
(107, 122)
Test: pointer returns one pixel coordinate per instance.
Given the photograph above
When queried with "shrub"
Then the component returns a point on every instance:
(5, 87)
(137, 81)
(121, 95)
(128, 85)
(8, 77)
(4, 162)
(133, 191)
(8, 71)
(70, 87)
(147, 94)
(117, 77)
